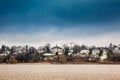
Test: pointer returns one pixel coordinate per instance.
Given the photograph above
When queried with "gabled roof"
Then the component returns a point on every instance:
(56, 47)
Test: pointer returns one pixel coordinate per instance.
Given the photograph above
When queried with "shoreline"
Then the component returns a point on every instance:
(61, 64)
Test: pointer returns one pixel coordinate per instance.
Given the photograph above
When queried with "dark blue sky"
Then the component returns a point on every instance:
(30, 16)
(58, 12)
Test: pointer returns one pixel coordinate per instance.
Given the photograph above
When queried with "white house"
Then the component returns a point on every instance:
(56, 49)
(70, 52)
(84, 53)
(95, 52)
(116, 50)
(5, 53)
(41, 49)
(19, 49)
(48, 54)
(104, 55)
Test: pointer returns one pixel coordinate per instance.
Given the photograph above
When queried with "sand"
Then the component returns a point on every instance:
(59, 72)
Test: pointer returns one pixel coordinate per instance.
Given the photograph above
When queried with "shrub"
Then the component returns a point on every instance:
(115, 57)
(62, 59)
(1, 59)
(76, 58)
(12, 60)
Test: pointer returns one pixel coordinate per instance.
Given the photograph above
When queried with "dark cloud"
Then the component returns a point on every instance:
(58, 12)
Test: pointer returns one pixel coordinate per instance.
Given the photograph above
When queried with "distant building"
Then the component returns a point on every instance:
(95, 52)
(116, 50)
(56, 49)
(5, 53)
(70, 51)
(48, 54)
(84, 53)
(104, 55)
(19, 49)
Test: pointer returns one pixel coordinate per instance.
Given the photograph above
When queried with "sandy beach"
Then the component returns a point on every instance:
(59, 72)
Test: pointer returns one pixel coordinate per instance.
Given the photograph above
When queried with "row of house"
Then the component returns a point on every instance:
(101, 53)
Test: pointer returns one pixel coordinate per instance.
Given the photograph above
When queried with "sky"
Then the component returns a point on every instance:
(37, 22)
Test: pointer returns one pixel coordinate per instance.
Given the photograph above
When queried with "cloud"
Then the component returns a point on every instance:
(63, 12)
(36, 22)
(54, 36)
